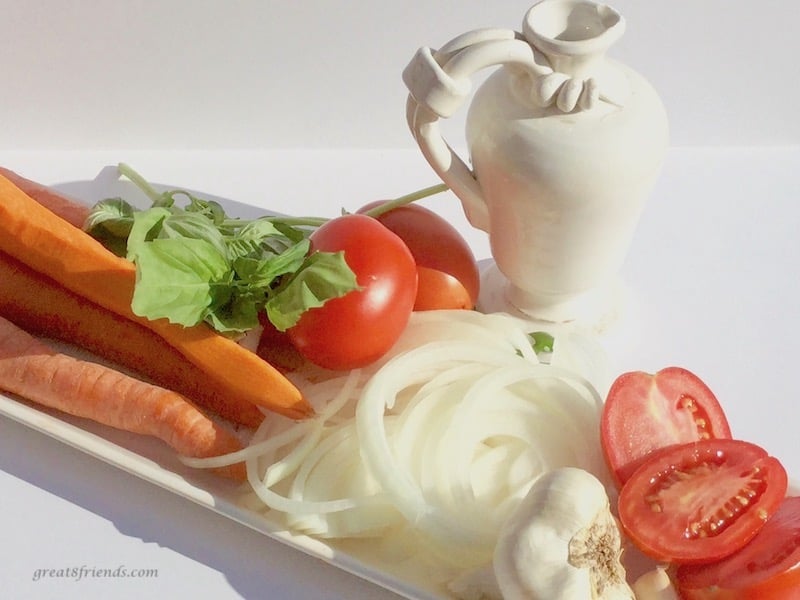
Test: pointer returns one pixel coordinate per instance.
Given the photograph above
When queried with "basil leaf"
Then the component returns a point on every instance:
(110, 222)
(262, 272)
(179, 280)
(323, 276)
(146, 227)
(249, 239)
(194, 226)
(238, 314)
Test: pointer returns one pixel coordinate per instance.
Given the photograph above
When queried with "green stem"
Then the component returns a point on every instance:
(156, 197)
(291, 221)
(407, 199)
(140, 182)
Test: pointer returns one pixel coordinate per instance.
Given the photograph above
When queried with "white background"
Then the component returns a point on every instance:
(299, 107)
(249, 74)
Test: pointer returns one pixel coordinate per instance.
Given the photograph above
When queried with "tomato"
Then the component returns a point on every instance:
(440, 290)
(435, 244)
(645, 412)
(359, 327)
(701, 501)
(768, 568)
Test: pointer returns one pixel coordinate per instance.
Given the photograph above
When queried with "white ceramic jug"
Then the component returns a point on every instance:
(565, 146)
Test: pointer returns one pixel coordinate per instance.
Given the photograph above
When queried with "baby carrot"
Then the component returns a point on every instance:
(34, 371)
(44, 308)
(49, 245)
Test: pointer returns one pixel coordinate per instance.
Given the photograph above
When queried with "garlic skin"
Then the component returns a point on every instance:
(562, 542)
(655, 585)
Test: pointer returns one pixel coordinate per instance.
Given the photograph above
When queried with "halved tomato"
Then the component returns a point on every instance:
(699, 502)
(768, 568)
(645, 412)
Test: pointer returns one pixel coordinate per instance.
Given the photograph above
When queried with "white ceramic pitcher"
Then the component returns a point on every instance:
(565, 146)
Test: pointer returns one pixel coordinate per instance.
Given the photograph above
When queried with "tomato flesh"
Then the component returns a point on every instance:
(645, 412)
(358, 328)
(699, 502)
(767, 568)
(435, 244)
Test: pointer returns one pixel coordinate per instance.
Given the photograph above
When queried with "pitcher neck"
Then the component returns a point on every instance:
(573, 34)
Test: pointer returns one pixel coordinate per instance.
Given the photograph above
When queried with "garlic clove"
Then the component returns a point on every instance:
(655, 585)
(562, 542)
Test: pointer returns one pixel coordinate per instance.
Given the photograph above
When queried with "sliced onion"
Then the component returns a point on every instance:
(437, 442)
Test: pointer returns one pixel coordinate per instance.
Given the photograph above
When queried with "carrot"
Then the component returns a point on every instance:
(34, 371)
(42, 307)
(49, 245)
(66, 208)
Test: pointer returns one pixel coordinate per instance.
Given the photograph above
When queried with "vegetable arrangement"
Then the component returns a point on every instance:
(164, 291)
(712, 506)
(461, 436)
(342, 289)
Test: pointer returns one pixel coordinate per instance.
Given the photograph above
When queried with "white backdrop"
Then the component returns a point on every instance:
(270, 74)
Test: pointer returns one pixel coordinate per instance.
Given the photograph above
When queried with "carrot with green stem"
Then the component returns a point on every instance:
(46, 309)
(49, 245)
(36, 372)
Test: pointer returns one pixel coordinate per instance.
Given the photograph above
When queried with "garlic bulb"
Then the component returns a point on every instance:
(562, 542)
(655, 585)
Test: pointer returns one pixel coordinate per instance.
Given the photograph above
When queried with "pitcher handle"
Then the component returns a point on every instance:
(439, 83)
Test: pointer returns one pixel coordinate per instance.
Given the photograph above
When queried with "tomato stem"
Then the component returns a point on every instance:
(406, 199)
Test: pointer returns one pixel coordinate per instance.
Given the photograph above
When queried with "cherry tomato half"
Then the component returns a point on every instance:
(768, 568)
(359, 327)
(435, 244)
(645, 412)
(699, 502)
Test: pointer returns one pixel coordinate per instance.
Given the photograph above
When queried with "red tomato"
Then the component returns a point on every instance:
(645, 412)
(434, 243)
(699, 502)
(440, 290)
(358, 328)
(768, 568)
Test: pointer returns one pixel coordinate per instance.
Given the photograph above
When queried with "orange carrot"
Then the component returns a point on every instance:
(34, 371)
(68, 209)
(49, 245)
(42, 307)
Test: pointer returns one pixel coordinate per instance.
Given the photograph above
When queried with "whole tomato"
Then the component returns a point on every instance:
(359, 327)
(450, 278)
